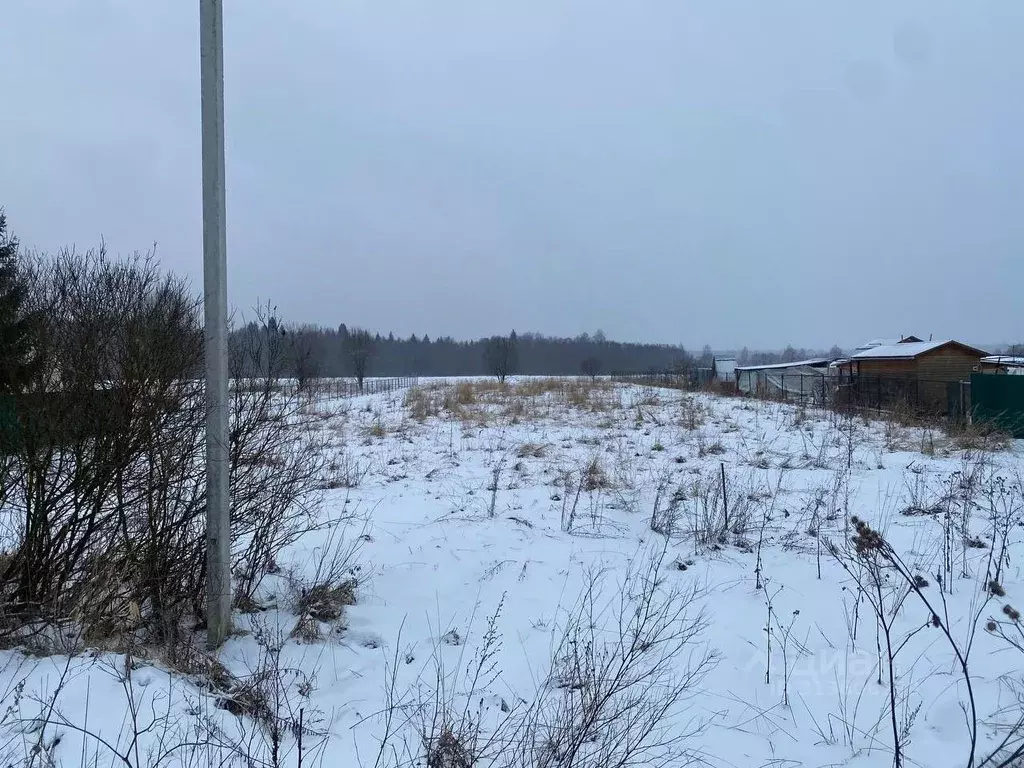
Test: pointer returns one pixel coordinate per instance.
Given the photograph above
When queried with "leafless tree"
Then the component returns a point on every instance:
(304, 363)
(501, 356)
(359, 348)
(591, 367)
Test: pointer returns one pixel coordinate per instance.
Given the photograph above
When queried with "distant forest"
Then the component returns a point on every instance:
(314, 351)
(331, 352)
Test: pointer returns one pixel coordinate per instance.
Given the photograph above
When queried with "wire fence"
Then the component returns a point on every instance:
(331, 389)
(947, 400)
(688, 380)
(904, 394)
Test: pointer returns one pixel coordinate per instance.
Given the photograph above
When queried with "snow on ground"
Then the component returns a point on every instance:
(473, 507)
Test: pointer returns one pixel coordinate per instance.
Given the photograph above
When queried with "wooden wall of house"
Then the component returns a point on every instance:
(947, 364)
(872, 367)
(932, 371)
(939, 367)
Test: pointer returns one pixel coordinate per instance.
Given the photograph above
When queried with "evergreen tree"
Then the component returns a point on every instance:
(17, 324)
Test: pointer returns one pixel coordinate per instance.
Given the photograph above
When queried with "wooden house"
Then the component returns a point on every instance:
(926, 367)
(927, 360)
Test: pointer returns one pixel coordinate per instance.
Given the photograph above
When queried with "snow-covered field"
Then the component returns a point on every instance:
(501, 541)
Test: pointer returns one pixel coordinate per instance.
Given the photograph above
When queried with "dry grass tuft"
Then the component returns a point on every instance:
(979, 436)
(424, 403)
(531, 451)
(465, 393)
(594, 477)
(693, 413)
(326, 600)
(479, 402)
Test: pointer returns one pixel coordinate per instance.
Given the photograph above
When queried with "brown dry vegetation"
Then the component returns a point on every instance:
(479, 402)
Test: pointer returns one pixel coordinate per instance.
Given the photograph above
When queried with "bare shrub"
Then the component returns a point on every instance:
(106, 500)
(572, 489)
(170, 726)
(867, 563)
(894, 434)
(667, 502)
(587, 483)
(276, 695)
(451, 714)
(496, 470)
(887, 581)
(278, 460)
(721, 506)
(692, 413)
(111, 402)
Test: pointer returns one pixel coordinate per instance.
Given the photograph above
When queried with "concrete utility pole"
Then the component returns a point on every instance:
(215, 305)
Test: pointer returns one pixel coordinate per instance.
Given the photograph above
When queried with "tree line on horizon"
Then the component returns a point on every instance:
(343, 351)
(321, 352)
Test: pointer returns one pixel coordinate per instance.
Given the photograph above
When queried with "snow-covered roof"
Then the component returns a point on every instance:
(878, 343)
(1004, 360)
(814, 362)
(886, 342)
(906, 349)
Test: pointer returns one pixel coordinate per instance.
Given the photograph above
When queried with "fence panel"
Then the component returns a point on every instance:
(999, 399)
(909, 395)
(333, 389)
(686, 380)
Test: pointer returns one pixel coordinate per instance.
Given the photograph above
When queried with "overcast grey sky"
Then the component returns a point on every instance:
(737, 172)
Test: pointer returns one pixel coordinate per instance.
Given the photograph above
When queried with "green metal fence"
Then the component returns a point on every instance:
(999, 399)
